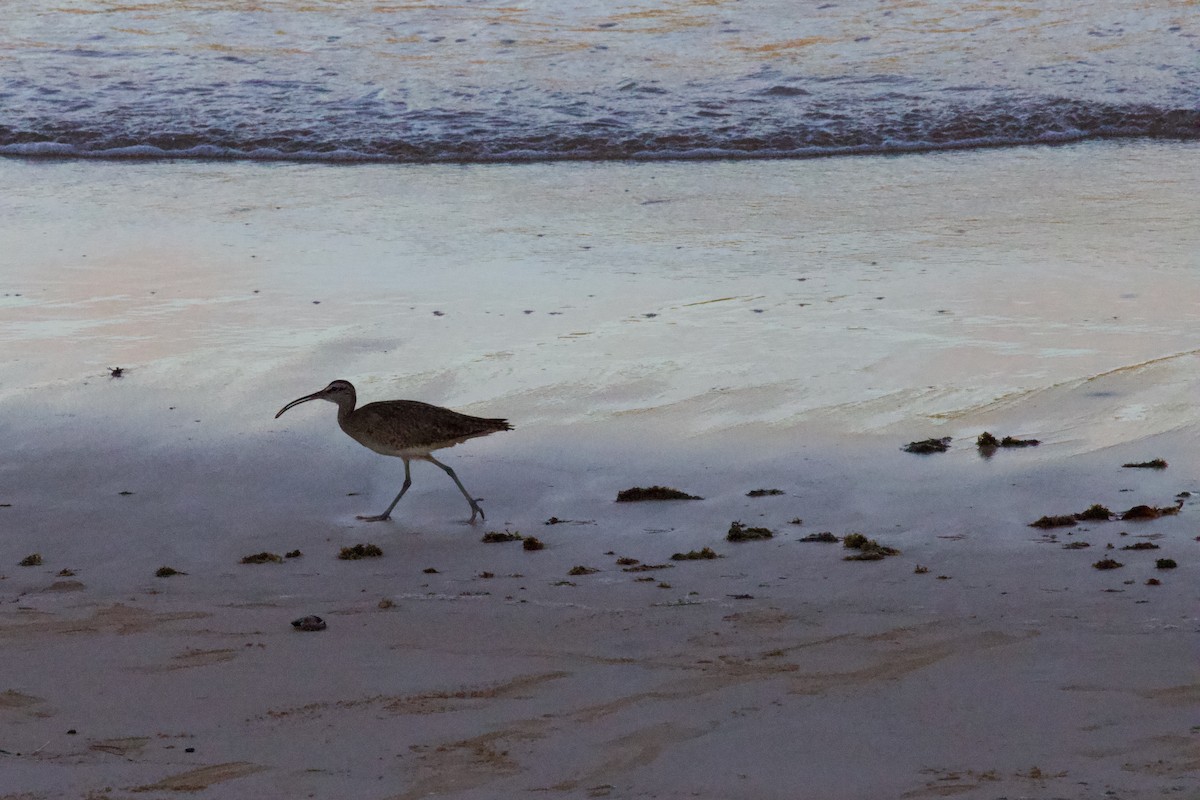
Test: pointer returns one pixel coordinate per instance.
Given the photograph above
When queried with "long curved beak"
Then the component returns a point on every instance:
(305, 399)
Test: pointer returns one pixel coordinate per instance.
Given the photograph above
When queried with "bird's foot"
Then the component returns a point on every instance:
(376, 518)
(475, 509)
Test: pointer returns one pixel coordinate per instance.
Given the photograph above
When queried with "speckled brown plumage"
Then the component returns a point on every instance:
(407, 429)
(410, 427)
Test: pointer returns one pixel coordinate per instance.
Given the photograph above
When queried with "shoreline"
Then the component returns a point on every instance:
(55, 151)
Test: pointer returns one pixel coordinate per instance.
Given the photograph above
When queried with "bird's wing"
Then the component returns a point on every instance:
(406, 424)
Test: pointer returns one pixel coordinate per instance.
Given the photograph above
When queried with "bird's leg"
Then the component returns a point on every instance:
(387, 514)
(475, 509)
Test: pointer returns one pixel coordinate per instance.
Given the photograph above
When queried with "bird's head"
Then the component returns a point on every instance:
(339, 392)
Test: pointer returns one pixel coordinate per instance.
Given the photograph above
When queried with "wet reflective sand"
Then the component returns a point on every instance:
(719, 328)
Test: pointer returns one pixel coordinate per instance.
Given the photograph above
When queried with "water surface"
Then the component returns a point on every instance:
(487, 80)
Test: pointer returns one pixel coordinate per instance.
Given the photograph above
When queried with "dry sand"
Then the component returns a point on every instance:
(716, 327)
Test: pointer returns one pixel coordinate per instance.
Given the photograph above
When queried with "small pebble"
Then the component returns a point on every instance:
(309, 623)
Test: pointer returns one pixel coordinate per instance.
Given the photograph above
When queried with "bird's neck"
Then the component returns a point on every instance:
(345, 408)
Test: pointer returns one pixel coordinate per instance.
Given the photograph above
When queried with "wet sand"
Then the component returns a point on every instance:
(717, 327)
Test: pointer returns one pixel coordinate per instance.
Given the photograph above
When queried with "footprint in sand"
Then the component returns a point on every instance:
(118, 618)
(25, 704)
(193, 658)
(125, 747)
(197, 780)
(14, 699)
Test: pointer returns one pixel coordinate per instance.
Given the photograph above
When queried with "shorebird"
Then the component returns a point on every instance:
(405, 428)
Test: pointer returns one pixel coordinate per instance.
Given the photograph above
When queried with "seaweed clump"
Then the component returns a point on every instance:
(1141, 546)
(1094, 512)
(640, 493)
(868, 549)
(1154, 463)
(360, 551)
(1076, 545)
(1165, 563)
(581, 570)
(647, 567)
(1058, 521)
(533, 543)
(492, 537)
(740, 533)
(823, 536)
(928, 446)
(263, 558)
(166, 572)
(1151, 512)
(695, 555)
(1009, 441)
(987, 441)
(1107, 563)
(31, 560)
(763, 492)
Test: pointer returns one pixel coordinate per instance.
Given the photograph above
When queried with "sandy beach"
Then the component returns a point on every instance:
(718, 327)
